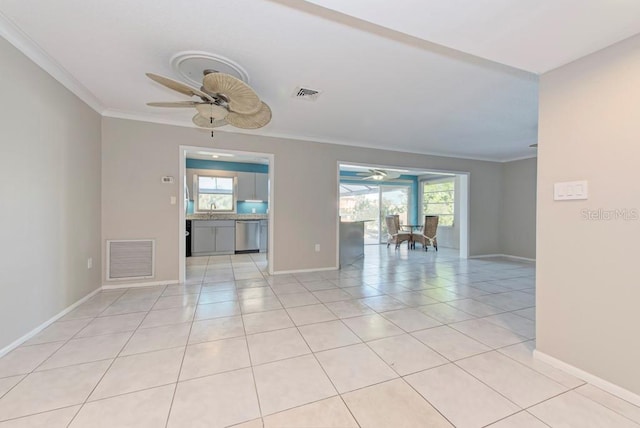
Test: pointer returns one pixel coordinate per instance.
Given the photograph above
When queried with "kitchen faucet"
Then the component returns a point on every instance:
(212, 206)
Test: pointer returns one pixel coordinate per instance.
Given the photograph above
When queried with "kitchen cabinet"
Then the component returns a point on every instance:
(211, 237)
(253, 186)
(262, 187)
(264, 235)
(226, 239)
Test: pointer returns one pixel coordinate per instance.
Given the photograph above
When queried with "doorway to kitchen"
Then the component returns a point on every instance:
(226, 207)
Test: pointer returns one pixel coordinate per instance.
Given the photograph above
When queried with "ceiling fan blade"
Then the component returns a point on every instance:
(175, 104)
(392, 175)
(205, 122)
(179, 86)
(242, 99)
(250, 121)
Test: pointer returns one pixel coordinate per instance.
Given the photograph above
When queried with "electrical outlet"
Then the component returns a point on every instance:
(317, 248)
(89, 262)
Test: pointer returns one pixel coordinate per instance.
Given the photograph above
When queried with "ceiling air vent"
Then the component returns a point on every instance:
(306, 94)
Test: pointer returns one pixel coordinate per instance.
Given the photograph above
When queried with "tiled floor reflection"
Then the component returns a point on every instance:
(402, 339)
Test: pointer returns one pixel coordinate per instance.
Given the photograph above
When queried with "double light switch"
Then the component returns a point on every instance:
(570, 190)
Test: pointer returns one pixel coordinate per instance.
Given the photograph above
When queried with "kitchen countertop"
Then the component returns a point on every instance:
(229, 216)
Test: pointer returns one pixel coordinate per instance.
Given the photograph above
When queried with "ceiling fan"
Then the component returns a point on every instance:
(378, 175)
(222, 99)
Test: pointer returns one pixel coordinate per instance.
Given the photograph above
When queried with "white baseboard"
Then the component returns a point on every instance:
(10, 347)
(284, 272)
(605, 385)
(485, 256)
(504, 256)
(138, 284)
(518, 258)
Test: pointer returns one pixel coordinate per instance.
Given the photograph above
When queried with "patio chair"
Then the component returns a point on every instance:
(395, 235)
(427, 237)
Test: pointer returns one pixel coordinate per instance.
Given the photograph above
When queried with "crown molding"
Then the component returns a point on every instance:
(142, 117)
(35, 53)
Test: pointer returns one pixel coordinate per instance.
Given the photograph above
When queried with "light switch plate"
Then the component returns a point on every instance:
(570, 190)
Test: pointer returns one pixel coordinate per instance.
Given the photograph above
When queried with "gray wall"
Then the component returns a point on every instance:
(136, 204)
(587, 268)
(518, 228)
(50, 187)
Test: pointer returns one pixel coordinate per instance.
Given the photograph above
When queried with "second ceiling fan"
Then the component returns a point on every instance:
(378, 175)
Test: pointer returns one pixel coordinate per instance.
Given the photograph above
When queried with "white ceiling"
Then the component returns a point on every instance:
(385, 82)
(533, 35)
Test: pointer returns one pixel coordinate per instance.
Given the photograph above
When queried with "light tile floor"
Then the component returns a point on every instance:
(402, 339)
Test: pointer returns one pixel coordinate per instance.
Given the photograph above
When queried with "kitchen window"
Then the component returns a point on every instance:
(215, 194)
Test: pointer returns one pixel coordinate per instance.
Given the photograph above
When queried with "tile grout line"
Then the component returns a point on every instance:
(184, 354)
(25, 375)
(315, 357)
(253, 374)
(108, 368)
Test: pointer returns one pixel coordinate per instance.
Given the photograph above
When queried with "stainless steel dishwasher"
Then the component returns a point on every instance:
(247, 236)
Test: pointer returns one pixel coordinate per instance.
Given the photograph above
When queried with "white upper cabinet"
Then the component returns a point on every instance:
(246, 186)
(253, 186)
(262, 187)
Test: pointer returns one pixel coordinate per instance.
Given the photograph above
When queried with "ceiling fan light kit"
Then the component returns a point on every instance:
(223, 99)
(212, 111)
(208, 122)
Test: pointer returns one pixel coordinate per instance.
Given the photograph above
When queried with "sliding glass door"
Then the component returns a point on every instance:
(374, 202)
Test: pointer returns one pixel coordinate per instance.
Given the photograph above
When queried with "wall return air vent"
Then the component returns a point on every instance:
(306, 94)
(130, 259)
